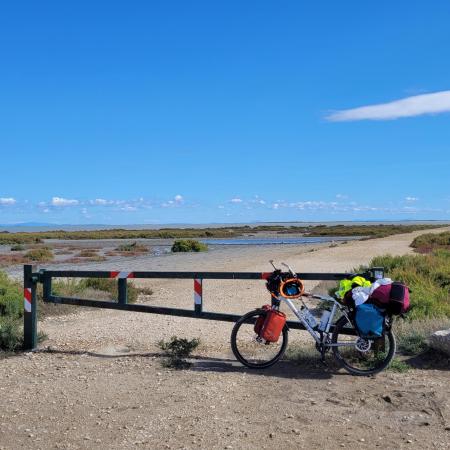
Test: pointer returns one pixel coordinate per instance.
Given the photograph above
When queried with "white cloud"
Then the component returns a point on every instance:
(101, 202)
(236, 200)
(411, 199)
(417, 105)
(178, 198)
(7, 201)
(59, 201)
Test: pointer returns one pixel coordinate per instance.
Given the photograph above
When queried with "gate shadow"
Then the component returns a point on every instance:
(282, 369)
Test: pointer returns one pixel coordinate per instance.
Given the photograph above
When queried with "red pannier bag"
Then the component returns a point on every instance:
(261, 319)
(393, 297)
(271, 328)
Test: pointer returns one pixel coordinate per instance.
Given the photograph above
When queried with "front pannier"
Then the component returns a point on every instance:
(270, 325)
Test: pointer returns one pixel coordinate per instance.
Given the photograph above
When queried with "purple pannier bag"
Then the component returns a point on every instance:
(393, 297)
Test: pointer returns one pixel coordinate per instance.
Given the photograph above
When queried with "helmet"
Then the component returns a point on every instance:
(291, 288)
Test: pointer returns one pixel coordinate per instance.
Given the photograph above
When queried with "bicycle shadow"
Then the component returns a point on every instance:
(282, 369)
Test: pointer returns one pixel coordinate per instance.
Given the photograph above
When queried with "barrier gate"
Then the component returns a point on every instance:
(45, 277)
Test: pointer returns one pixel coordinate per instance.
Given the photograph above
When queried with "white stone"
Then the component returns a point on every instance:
(440, 340)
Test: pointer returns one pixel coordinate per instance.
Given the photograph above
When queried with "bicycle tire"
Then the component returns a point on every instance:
(380, 362)
(241, 341)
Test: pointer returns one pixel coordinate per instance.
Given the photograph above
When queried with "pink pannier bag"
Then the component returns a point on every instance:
(393, 297)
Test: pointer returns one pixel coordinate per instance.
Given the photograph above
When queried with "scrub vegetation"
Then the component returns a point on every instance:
(370, 231)
(188, 245)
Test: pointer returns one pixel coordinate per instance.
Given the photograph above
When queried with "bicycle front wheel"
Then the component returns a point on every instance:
(361, 356)
(249, 349)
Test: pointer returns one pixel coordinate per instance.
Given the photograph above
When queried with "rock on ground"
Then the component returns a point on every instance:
(440, 340)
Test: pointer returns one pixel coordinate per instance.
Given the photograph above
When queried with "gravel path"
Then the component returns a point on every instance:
(102, 386)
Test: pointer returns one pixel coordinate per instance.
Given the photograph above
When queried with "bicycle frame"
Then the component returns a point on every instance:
(321, 337)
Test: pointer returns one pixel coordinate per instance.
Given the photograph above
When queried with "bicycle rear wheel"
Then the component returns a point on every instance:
(362, 356)
(249, 349)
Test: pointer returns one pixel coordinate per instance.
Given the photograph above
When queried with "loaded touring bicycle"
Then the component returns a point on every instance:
(260, 337)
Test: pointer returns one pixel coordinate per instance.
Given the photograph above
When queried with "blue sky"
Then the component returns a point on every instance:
(226, 111)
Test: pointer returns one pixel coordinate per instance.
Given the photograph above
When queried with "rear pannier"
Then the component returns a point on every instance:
(369, 320)
(393, 297)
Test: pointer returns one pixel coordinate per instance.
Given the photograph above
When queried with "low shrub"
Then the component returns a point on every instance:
(398, 365)
(134, 248)
(11, 297)
(177, 350)
(188, 245)
(412, 336)
(39, 254)
(11, 311)
(426, 243)
(11, 338)
(87, 253)
(17, 248)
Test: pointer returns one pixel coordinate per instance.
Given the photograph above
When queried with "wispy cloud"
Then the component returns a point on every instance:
(417, 105)
(236, 200)
(101, 202)
(411, 199)
(7, 201)
(59, 201)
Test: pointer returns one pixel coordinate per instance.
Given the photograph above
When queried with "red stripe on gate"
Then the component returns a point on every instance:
(119, 274)
(197, 286)
(27, 294)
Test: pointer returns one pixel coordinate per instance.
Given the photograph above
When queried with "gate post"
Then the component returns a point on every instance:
(198, 295)
(30, 309)
(122, 291)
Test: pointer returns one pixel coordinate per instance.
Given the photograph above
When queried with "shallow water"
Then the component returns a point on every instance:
(276, 240)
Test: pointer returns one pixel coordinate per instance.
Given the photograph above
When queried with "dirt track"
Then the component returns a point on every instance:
(102, 386)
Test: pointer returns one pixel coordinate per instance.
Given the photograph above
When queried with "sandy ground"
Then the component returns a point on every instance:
(103, 386)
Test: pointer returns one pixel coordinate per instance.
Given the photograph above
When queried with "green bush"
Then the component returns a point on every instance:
(429, 241)
(39, 254)
(188, 245)
(11, 297)
(10, 334)
(177, 350)
(11, 310)
(17, 248)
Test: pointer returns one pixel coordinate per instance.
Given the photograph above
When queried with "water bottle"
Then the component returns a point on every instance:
(309, 318)
(324, 320)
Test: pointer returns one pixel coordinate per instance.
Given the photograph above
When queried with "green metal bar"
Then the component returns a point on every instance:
(30, 309)
(122, 291)
(165, 311)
